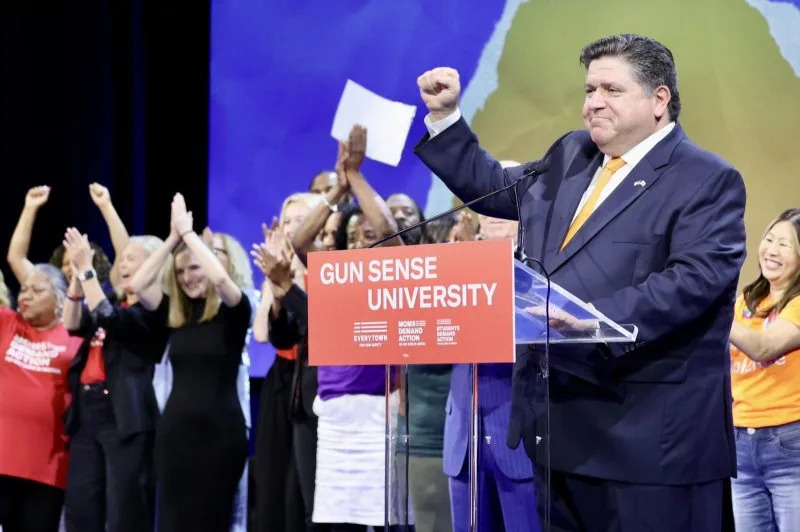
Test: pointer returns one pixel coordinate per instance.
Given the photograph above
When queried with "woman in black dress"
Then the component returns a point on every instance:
(201, 443)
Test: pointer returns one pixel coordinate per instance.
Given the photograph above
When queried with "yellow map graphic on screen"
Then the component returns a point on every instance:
(740, 92)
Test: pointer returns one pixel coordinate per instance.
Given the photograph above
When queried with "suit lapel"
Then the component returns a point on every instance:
(640, 179)
(567, 200)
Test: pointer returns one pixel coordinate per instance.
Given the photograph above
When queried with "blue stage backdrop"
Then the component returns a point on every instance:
(278, 70)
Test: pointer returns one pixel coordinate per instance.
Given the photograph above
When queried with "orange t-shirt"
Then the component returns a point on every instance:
(33, 398)
(765, 394)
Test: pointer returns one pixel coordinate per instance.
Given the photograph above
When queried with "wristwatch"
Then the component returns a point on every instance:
(86, 275)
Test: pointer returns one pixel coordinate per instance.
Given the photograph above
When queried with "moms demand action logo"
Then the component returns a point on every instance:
(34, 356)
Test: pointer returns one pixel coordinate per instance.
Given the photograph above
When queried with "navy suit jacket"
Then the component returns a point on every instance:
(665, 257)
(494, 402)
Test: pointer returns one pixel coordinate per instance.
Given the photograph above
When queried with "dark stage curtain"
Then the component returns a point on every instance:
(113, 91)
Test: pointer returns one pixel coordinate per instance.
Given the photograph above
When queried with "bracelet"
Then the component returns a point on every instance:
(74, 298)
(186, 233)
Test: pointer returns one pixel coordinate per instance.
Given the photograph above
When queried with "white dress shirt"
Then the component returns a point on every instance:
(632, 157)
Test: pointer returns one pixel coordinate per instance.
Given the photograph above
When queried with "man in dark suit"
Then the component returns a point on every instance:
(505, 476)
(632, 217)
(506, 490)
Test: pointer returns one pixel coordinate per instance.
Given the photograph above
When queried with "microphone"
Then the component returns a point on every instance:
(532, 169)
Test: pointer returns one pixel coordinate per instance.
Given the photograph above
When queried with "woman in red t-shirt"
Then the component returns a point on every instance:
(35, 353)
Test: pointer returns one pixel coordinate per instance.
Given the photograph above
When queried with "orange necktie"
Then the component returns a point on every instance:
(588, 208)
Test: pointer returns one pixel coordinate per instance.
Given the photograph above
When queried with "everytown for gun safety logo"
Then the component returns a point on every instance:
(370, 333)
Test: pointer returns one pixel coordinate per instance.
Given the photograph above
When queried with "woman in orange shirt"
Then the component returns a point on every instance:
(765, 378)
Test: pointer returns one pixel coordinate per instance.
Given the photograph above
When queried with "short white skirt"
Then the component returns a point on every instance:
(350, 459)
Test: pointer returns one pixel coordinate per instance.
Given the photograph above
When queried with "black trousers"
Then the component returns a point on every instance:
(279, 501)
(585, 504)
(304, 458)
(110, 480)
(29, 506)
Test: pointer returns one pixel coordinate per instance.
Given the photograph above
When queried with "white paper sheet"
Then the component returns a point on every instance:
(387, 122)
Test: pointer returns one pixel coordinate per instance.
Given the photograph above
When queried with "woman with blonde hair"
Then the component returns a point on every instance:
(765, 377)
(201, 439)
(284, 479)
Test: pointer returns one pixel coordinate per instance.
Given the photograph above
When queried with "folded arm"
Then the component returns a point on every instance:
(781, 337)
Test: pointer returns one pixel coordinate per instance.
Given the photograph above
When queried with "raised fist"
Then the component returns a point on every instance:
(440, 89)
(37, 196)
(100, 195)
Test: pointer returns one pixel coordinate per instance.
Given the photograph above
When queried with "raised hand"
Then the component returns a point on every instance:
(181, 220)
(464, 230)
(37, 196)
(277, 268)
(99, 194)
(341, 175)
(440, 89)
(267, 230)
(275, 240)
(355, 150)
(208, 236)
(80, 252)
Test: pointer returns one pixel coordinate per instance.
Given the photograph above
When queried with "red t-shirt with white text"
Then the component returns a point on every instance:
(33, 398)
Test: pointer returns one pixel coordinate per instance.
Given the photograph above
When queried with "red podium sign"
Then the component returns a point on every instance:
(431, 304)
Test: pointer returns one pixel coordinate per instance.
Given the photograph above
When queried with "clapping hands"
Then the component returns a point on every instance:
(274, 258)
(80, 252)
(181, 221)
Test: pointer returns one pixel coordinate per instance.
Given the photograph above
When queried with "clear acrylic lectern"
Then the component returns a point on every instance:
(536, 300)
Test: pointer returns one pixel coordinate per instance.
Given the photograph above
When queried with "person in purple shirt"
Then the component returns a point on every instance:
(349, 403)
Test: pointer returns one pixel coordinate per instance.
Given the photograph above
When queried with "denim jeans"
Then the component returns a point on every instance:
(766, 494)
